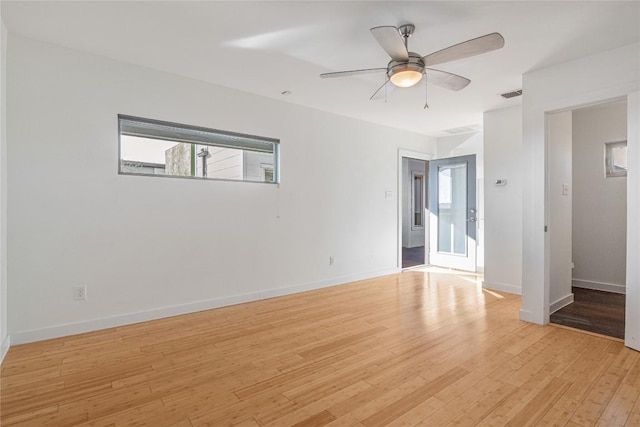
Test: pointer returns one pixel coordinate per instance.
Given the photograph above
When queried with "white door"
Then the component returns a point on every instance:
(453, 212)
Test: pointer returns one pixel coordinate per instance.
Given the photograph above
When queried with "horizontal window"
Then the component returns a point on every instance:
(152, 147)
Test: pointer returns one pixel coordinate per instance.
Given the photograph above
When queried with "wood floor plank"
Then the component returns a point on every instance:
(319, 419)
(424, 347)
(371, 402)
(598, 398)
(634, 417)
(301, 411)
(560, 412)
(540, 404)
(26, 417)
(422, 411)
(413, 399)
(619, 408)
(479, 410)
(463, 400)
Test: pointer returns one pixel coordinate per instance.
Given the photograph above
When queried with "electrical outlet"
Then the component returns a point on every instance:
(80, 292)
(330, 260)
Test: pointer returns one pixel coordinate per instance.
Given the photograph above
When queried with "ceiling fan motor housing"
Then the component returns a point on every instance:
(406, 73)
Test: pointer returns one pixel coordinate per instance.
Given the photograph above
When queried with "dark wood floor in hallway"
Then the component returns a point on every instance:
(594, 311)
(412, 257)
(415, 348)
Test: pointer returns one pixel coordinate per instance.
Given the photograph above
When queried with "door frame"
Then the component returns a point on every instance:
(541, 217)
(418, 156)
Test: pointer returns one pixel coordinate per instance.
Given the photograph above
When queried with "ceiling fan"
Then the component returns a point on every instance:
(406, 68)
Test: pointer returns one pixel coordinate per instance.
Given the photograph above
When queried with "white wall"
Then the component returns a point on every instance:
(463, 145)
(73, 219)
(4, 336)
(608, 75)
(559, 139)
(503, 204)
(599, 203)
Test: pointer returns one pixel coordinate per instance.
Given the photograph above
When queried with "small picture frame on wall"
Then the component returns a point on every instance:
(615, 159)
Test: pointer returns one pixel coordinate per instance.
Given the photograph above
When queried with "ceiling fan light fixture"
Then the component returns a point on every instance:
(405, 75)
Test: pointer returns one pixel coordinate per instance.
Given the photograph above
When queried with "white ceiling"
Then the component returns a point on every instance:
(267, 47)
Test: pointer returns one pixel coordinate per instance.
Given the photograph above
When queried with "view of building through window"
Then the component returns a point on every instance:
(156, 148)
(615, 158)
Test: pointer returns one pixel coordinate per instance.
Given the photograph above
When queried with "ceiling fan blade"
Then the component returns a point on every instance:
(446, 80)
(353, 72)
(392, 42)
(466, 49)
(382, 91)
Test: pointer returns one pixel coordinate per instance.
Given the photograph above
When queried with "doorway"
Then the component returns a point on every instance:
(588, 217)
(453, 213)
(437, 211)
(414, 227)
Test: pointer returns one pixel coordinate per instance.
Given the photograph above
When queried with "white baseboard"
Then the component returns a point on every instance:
(511, 289)
(62, 330)
(560, 303)
(4, 347)
(529, 316)
(598, 286)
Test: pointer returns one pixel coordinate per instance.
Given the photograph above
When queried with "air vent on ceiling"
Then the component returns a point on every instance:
(463, 129)
(512, 94)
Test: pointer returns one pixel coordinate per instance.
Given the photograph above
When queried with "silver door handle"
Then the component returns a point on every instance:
(472, 219)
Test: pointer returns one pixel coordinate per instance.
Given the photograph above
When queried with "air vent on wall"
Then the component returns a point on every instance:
(511, 94)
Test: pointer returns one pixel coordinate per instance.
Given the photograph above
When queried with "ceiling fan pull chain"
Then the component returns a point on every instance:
(426, 92)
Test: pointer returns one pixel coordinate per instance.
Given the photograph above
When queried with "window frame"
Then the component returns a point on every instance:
(274, 141)
(421, 178)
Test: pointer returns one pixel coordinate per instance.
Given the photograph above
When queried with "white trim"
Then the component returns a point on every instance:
(531, 316)
(511, 289)
(632, 312)
(32, 335)
(4, 347)
(599, 286)
(561, 303)
(411, 155)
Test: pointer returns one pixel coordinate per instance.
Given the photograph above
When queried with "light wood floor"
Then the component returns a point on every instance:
(408, 349)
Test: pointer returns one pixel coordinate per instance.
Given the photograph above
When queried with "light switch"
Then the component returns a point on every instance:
(565, 189)
(388, 194)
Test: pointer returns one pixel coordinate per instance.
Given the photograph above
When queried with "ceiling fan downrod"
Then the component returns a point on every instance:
(406, 31)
